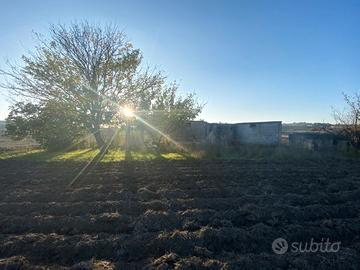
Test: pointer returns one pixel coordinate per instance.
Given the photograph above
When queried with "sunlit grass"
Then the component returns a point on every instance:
(222, 153)
(84, 155)
(18, 154)
(142, 155)
(174, 156)
(76, 155)
(113, 156)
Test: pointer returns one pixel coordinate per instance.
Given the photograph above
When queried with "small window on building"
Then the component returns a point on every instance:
(252, 125)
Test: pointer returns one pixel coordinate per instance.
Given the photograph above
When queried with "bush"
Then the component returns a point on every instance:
(52, 125)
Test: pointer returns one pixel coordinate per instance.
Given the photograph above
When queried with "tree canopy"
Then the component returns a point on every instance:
(50, 124)
(348, 121)
(95, 71)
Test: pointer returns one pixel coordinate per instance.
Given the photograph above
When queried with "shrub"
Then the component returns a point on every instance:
(50, 124)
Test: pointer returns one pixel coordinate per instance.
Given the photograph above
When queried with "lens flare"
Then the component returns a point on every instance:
(128, 112)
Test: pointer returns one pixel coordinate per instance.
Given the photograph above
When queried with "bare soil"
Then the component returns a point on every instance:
(178, 214)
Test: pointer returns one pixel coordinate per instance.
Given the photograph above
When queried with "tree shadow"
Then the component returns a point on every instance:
(129, 171)
(38, 156)
(78, 179)
(73, 157)
(187, 156)
(128, 156)
(159, 156)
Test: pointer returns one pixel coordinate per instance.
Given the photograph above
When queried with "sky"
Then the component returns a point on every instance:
(256, 60)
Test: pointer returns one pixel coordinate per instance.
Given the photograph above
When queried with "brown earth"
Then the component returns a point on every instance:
(178, 214)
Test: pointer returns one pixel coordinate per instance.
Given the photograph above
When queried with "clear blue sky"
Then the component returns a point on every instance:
(248, 60)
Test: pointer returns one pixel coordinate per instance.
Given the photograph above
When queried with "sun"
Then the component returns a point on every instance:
(128, 112)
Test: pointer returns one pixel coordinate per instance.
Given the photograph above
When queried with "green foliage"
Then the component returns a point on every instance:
(22, 120)
(96, 72)
(168, 112)
(52, 124)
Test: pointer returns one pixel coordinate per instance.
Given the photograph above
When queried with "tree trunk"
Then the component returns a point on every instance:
(142, 136)
(99, 139)
(127, 137)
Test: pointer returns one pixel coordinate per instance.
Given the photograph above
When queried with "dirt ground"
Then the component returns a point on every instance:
(178, 214)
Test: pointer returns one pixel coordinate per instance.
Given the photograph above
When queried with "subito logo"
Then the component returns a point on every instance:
(280, 246)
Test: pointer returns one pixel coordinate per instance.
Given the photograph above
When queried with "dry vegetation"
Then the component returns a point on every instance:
(166, 214)
(8, 144)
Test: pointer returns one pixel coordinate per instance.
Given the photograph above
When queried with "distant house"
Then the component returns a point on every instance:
(262, 133)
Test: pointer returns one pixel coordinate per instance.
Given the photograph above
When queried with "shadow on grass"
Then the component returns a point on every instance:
(159, 156)
(84, 155)
(128, 156)
(87, 168)
(75, 155)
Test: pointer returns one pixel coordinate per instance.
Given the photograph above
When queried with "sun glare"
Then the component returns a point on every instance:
(128, 112)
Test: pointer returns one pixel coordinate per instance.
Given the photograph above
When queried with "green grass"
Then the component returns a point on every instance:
(83, 155)
(223, 153)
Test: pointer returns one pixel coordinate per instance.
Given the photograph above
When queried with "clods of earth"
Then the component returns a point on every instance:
(179, 215)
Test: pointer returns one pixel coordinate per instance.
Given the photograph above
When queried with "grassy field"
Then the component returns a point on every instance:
(273, 153)
(28, 149)
(83, 155)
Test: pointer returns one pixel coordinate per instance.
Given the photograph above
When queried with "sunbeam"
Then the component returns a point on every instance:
(94, 161)
(128, 112)
(178, 145)
(82, 139)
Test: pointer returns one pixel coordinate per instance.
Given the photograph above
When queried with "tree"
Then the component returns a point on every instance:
(20, 121)
(93, 70)
(169, 112)
(348, 121)
(50, 124)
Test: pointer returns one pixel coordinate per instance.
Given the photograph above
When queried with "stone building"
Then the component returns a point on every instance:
(262, 133)
(318, 141)
(203, 133)
(311, 140)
